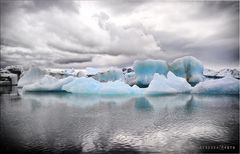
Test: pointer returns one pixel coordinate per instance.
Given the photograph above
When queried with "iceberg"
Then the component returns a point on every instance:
(145, 70)
(167, 85)
(226, 85)
(48, 83)
(130, 78)
(33, 75)
(110, 75)
(119, 88)
(91, 71)
(189, 68)
(85, 85)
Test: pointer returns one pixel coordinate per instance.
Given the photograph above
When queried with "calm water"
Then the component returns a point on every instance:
(63, 122)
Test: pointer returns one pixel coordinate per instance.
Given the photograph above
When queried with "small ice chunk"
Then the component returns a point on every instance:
(130, 78)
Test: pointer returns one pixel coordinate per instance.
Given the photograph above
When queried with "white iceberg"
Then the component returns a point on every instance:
(31, 76)
(145, 70)
(167, 85)
(226, 85)
(189, 68)
(48, 83)
(222, 73)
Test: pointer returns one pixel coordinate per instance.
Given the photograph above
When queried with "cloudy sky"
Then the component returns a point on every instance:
(78, 34)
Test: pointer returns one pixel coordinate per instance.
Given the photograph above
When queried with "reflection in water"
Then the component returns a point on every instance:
(142, 104)
(60, 122)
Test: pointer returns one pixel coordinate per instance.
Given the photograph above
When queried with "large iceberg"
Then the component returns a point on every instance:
(33, 75)
(167, 85)
(110, 75)
(48, 83)
(85, 85)
(145, 70)
(189, 68)
(226, 85)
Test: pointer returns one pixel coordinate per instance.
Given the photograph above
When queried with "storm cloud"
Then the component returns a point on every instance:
(63, 34)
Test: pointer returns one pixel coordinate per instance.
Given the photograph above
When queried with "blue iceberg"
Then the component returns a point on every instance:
(189, 68)
(145, 70)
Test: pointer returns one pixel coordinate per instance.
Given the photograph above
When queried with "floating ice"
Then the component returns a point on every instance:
(85, 85)
(48, 83)
(31, 76)
(226, 85)
(130, 78)
(91, 71)
(189, 68)
(110, 75)
(167, 85)
(145, 70)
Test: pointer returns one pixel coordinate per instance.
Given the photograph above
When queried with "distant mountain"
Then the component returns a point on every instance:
(222, 73)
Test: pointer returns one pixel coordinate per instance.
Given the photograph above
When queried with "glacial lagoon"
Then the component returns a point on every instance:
(61, 122)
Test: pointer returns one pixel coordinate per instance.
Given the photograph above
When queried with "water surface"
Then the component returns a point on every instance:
(64, 122)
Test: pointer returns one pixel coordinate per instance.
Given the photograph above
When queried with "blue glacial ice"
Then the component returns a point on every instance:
(85, 85)
(189, 68)
(145, 70)
(31, 76)
(226, 85)
(130, 78)
(48, 83)
(92, 71)
(110, 75)
(167, 85)
(153, 73)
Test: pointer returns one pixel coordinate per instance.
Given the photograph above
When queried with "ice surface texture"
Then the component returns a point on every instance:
(189, 68)
(31, 76)
(145, 70)
(48, 83)
(110, 75)
(156, 74)
(167, 85)
(85, 85)
(226, 85)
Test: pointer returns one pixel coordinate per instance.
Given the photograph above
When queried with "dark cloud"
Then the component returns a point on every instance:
(32, 6)
(115, 33)
(73, 60)
(122, 6)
